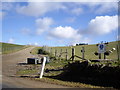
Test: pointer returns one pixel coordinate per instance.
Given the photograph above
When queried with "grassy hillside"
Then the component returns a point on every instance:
(6, 48)
(89, 51)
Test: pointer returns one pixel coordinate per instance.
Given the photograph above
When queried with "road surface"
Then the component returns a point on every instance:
(9, 62)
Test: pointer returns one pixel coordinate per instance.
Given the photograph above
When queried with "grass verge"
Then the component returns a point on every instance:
(6, 48)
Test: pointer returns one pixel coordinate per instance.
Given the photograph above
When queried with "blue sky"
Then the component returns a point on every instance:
(58, 23)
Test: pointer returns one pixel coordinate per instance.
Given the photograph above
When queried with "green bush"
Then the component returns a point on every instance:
(41, 51)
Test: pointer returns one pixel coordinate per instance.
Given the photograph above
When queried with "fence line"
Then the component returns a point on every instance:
(82, 52)
(63, 53)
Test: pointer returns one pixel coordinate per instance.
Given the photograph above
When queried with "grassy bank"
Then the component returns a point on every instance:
(6, 48)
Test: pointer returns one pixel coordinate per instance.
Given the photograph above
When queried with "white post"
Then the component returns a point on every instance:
(43, 66)
(35, 61)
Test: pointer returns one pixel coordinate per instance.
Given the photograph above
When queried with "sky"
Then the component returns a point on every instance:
(58, 23)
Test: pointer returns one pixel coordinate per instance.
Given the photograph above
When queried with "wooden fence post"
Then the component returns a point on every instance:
(55, 53)
(61, 52)
(66, 54)
(51, 50)
(83, 53)
(99, 55)
(118, 51)
(104, 56)
(73, 53)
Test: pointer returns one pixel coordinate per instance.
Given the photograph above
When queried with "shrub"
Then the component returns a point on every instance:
(97, 74)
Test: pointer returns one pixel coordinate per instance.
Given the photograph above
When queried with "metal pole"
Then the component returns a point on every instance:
(43, 66)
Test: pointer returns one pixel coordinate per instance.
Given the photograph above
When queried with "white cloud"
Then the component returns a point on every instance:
(4, 7)
(103, 25)
(43, 24)
(106, 7)
(118, 37)
(99, 7)
(36, 44)
(119, 21)
(39, 8)
(66, 33)
(11, 40)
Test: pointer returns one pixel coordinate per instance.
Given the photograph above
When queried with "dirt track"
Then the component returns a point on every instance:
(9, 62)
